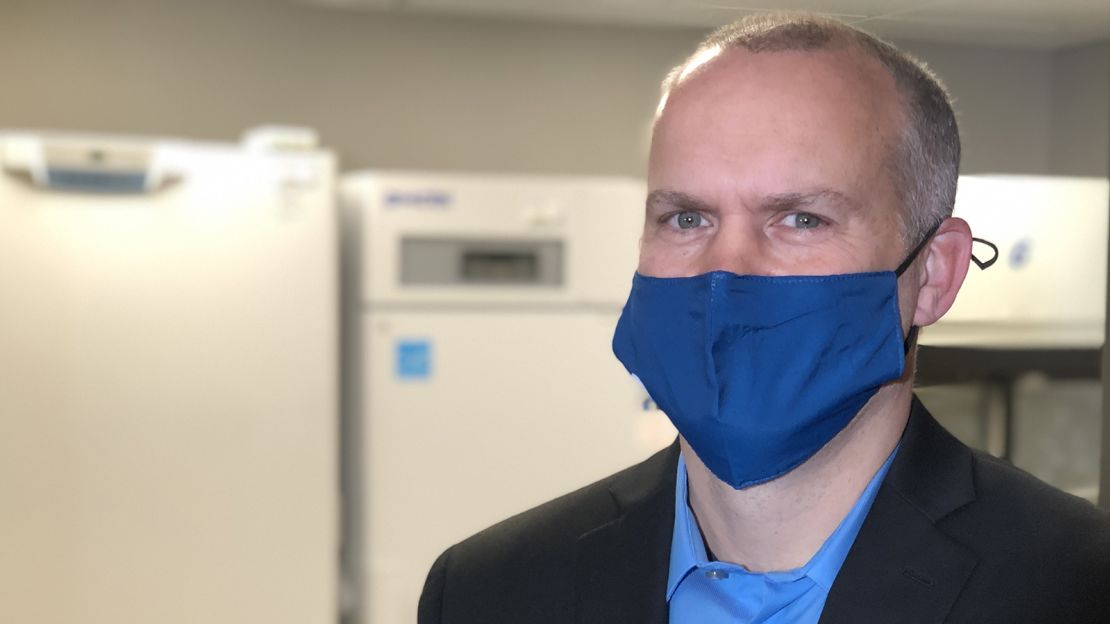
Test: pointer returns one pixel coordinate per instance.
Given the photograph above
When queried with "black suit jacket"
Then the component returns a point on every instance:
(954, 535)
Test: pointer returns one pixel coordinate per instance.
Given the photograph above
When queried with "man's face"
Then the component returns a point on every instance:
(774, 164)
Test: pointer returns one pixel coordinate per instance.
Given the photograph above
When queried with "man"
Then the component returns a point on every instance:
(801, 181)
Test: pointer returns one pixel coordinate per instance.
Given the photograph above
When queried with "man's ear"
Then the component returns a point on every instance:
(946, 261)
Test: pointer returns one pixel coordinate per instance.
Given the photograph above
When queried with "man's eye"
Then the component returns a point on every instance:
(803, 221)
(688, 220)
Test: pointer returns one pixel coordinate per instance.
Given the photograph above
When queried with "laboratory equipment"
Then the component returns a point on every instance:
(168, 380)
(484, 309)
(1048, 288)
(1014, 366)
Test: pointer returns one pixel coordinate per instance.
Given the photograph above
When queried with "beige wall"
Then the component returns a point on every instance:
(1003, 100)
(1081, 111)
(386, 91)
(402, 92)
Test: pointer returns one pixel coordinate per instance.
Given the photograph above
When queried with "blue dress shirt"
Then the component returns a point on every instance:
(700, 591)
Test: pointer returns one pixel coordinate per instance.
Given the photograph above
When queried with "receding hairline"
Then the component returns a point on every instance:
(923, 159)
(885, 107)
(855, 57)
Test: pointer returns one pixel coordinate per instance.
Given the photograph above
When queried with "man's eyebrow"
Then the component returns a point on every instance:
(676, 199)
(777, 202)
(794, 201)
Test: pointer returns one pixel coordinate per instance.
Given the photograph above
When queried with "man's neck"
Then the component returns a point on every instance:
(781, 524)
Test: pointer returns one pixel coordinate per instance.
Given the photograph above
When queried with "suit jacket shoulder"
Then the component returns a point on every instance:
(956, 535)
(1047, 551)
(530, 568)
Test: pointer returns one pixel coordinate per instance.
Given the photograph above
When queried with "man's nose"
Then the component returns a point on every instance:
(734, 250)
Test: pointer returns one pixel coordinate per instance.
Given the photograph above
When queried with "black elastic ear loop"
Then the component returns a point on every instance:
(916, 251)
(983, 264)
(911, 336)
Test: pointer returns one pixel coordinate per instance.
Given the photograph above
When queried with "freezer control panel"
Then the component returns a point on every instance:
(481, 262)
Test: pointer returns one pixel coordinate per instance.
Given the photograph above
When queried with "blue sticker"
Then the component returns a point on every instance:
(413, 359)
(1019, 255)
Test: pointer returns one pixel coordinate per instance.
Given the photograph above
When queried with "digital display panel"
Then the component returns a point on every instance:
(480, 262)
(502, 267)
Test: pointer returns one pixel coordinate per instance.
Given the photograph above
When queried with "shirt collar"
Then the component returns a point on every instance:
(687, 546)
(688, 549)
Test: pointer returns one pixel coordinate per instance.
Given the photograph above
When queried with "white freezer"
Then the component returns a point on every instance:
(168, 393)
(1048, 287)
(481, 398)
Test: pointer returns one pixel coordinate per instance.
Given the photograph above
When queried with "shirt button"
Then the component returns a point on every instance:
(716, 575)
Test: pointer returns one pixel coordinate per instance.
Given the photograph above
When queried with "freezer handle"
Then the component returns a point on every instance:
(87, 167)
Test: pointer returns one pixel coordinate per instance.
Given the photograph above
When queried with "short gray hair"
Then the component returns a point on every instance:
(924, 165)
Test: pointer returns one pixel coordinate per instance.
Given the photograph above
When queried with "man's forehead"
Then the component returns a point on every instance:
(799, 106)
(843, 75)
(782, 130)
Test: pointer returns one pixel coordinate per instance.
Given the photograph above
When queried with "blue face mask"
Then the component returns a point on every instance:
(758, 373)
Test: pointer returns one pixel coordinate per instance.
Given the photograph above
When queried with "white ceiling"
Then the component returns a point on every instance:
(1023, 23)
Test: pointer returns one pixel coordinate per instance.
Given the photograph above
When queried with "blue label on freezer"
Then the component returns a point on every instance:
(413, 359)
(1019, 255)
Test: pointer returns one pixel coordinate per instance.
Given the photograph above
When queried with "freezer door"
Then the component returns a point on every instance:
(1048, 288)
(168, 396)
(475, 416)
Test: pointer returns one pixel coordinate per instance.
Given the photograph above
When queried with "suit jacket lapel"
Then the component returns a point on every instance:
(622, 566)
(902, 568)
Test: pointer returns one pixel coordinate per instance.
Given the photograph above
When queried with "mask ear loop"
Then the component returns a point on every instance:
(911, 336)
(983, 264)
(916, 251)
